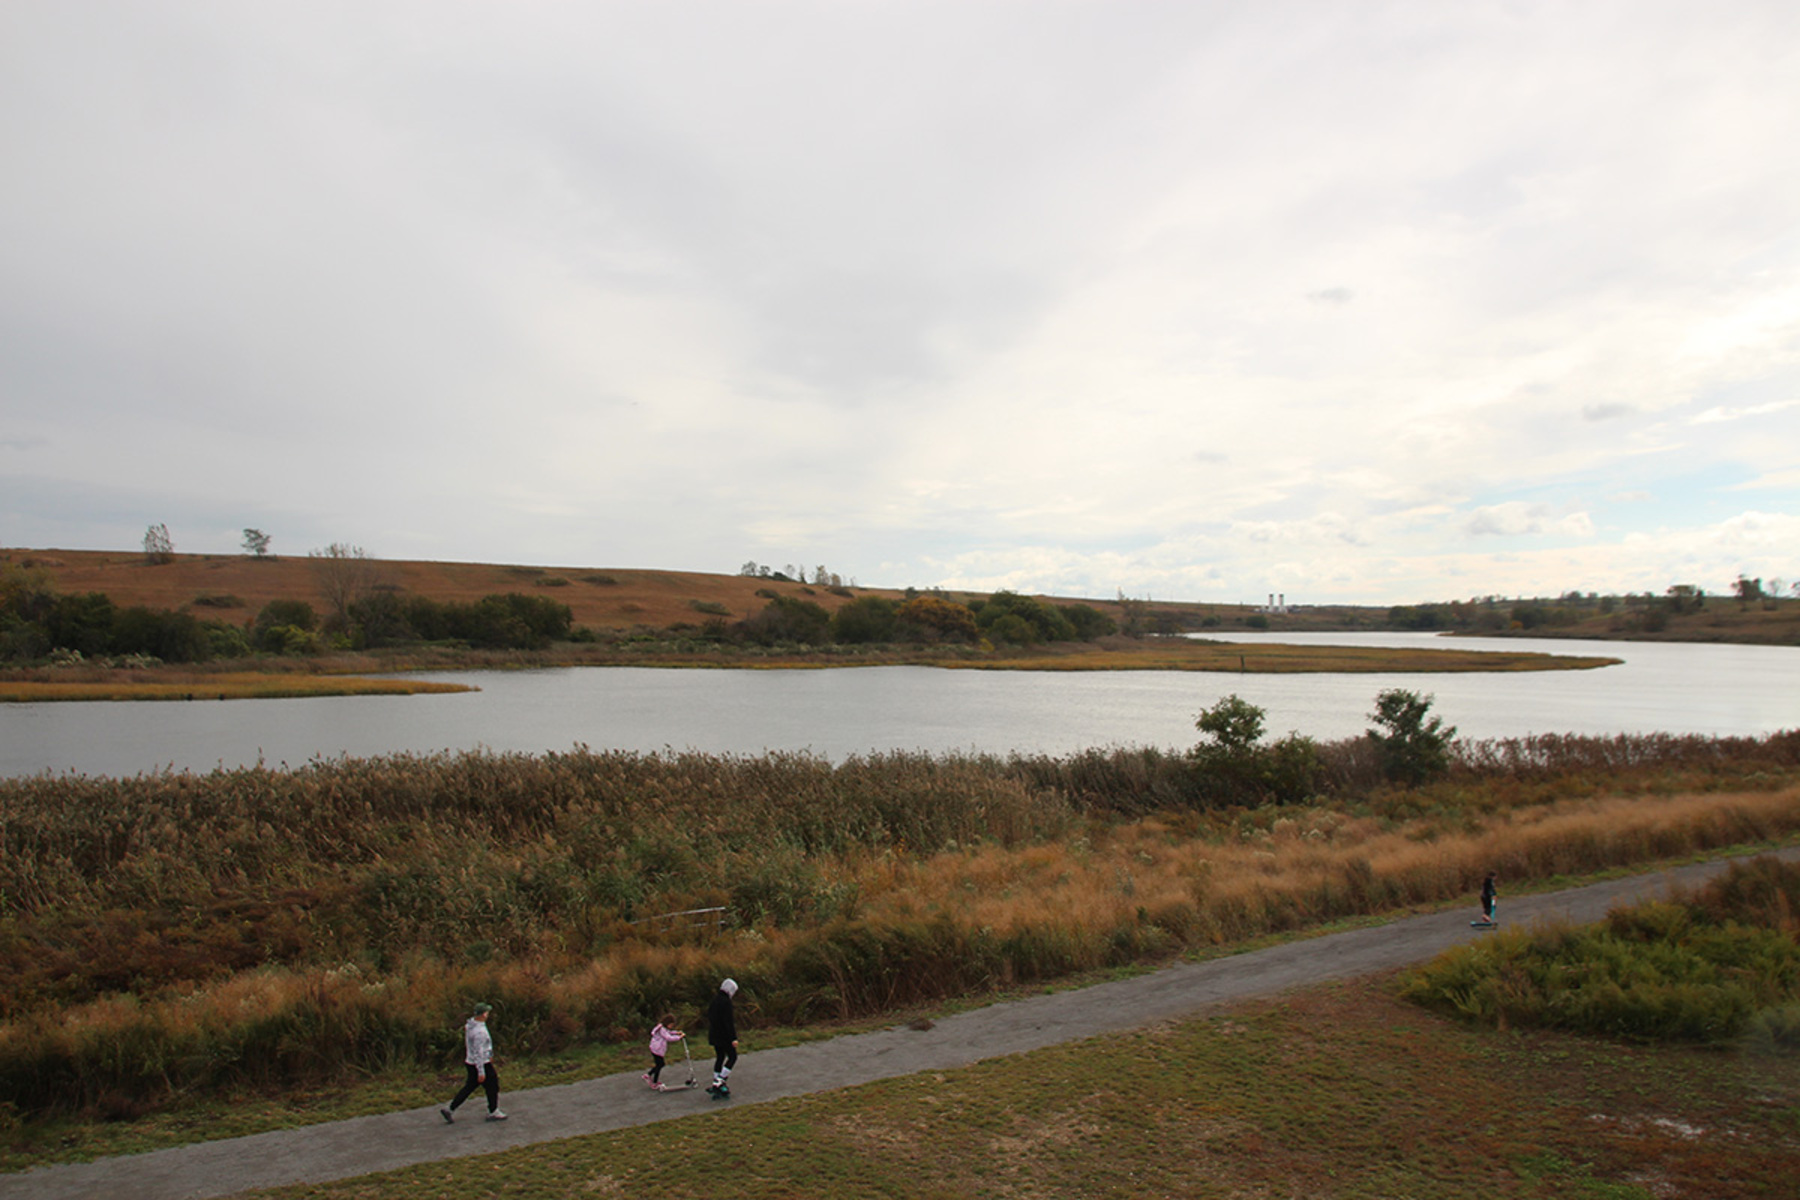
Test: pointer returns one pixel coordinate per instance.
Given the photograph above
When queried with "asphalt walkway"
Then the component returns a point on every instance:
(363, 1145)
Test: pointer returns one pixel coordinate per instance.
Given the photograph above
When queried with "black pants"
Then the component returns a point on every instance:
(490, 1081)
(724, 1058)
(656, 1071)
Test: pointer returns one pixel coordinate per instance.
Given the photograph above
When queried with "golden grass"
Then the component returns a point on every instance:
(228, 905)
(1309, 862)
(233, 685)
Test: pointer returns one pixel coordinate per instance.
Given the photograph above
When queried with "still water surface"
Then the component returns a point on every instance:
(1672, 688)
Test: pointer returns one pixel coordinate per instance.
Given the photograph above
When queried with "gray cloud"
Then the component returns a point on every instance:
(1606, 412)
(682, 285)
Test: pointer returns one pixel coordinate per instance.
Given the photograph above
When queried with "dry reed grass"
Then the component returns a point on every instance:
(172, 932)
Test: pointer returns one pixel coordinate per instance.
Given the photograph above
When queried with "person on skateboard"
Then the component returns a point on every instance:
(721, 1032)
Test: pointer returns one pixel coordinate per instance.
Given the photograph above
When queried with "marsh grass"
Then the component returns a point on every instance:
(174, 936)
(1704, 966)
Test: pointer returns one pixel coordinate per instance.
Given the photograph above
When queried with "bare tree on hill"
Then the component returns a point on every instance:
(346, 575)
(159, 547)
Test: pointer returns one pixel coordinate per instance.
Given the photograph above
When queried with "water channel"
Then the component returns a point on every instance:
(1660, 687)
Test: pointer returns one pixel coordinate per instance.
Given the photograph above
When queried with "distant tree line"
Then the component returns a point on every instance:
(38, 623)
(1005, 618)
(1646, 612)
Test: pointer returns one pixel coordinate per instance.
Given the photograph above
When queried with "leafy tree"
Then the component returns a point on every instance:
(1234, 724)
(517, 622)
(284, 627)
(1046, 622)
(1412, 748)
(933, 618)
(1685, 598)
(256, 543)
(1012, 629)
(1235, 768)
(1748, 589)
(379, 619)
(868, 619)
(788, 619)
(81, 622)
(226, 641)
(27, 593)
(159, 633)
(1089, 622)
(159, 547)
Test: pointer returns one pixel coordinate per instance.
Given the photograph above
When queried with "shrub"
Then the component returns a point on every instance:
(1413, 749)
(1676, 970)
(1234, 768)
(1089, 622)
(296, 614)
(787, 619)
(868, 619)
(170, 636)
(933, 619)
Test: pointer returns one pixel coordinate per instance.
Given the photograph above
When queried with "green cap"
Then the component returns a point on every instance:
(482, 1007)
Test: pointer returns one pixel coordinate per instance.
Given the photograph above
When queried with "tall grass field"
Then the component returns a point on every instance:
(171, 938)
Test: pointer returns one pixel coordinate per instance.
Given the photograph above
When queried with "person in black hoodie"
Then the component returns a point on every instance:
(1488, 892)
(721, 1032)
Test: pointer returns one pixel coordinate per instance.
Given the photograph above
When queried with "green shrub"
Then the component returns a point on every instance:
(1665, 970)
(1413, 749)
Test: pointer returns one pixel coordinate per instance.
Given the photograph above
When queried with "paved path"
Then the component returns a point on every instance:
(343, 1149)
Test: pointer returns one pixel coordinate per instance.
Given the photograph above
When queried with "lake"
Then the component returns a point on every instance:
(1661, 687)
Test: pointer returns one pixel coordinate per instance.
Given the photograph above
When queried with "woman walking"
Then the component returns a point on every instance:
(721, 1032)
(478, 1056)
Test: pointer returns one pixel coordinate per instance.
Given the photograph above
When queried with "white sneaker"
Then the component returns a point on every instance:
(496, 1115)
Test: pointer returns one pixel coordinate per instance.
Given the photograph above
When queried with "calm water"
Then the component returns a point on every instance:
(837, 713)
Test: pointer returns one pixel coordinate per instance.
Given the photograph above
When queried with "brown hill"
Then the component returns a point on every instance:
(234, 587)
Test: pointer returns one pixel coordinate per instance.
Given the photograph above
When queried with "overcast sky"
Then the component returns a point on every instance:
(1349, 301)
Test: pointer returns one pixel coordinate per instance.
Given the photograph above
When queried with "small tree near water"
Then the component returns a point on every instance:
(1236, 768)
(1236, 725)
(1413, 748)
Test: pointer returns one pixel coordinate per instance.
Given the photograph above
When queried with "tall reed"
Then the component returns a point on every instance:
(172, 932)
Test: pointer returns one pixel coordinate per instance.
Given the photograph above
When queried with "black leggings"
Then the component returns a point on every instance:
(490, 1082)
(656, 1071)
(724, 1058)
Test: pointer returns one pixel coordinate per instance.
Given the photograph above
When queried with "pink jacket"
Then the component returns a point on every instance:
(660, 1038)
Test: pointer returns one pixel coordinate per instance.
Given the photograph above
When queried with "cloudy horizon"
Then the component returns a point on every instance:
(1362, 303)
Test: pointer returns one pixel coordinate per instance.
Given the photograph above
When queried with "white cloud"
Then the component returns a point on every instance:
(1205, 300)
(1714, 416)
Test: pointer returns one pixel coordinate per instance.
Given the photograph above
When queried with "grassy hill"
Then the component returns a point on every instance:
(234, 587)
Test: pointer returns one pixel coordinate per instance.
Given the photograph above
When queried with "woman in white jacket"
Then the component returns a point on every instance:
(478, 1055)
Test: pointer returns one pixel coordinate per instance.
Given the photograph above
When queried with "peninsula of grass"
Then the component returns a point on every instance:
(169, 684)
(353, 674)
(1180, 654)
(1111, 654)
